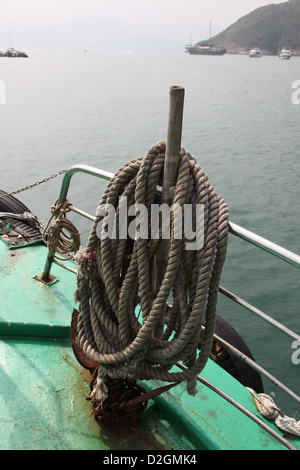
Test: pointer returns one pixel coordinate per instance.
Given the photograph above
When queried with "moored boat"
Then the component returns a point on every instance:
(285, 53)
(205, 49)
(255, 53)
(11, 52)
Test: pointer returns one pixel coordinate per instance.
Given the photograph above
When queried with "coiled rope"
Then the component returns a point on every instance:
(124, 343)
(62, 236)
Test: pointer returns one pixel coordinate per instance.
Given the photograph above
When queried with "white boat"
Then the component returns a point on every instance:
(255, 53)
(285, 53)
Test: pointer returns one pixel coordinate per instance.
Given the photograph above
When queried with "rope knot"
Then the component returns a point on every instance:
(86, 263)
(289, 425)
(60, 209)
(62, 236)
(100, 391)
(265, 405)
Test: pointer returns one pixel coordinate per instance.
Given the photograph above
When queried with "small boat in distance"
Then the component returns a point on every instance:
(11, 52)
(255, 53)
(285, 53)
(204, 49)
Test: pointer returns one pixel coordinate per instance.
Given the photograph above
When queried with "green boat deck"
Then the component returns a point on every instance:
(43, 388)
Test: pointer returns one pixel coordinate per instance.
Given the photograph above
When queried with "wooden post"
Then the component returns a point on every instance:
(172, 158)
(170, 167)
(173, 140)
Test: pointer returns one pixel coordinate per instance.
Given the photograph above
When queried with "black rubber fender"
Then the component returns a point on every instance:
(18, 231)
(12, 204)
(240, 370)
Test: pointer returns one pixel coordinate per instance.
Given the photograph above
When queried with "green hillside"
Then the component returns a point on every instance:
(269, 28)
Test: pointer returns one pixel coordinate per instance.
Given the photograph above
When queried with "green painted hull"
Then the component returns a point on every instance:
(43, 388)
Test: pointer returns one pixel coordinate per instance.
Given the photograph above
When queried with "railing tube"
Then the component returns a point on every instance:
(265, 244)
(62, 197)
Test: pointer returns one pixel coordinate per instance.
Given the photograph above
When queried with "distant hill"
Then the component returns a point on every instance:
(269, 28)
(96, 33)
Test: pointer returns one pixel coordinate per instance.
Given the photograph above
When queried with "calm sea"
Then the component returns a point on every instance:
(65, 107)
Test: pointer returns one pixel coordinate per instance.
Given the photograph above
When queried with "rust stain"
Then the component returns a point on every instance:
(81, 357)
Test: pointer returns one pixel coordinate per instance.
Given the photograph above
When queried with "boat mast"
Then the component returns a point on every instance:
(9, 36)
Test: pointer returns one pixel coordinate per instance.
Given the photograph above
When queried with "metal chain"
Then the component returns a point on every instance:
(34, 184)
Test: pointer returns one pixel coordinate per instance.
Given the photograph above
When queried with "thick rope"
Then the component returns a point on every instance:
(125, 344)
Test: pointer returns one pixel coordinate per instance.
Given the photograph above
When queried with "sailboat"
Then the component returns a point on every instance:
(205, 48)
(11, 52)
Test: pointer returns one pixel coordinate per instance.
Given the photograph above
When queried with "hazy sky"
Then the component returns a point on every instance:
(51, 12)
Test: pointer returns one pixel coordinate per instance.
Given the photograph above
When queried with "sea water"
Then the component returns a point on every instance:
(102, 108)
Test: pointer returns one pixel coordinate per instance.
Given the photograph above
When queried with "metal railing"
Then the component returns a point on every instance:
(265, 244)
(236, 230)
(63, 196)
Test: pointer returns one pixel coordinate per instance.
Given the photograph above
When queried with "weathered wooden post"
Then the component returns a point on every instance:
(171, 166)
(173, 140)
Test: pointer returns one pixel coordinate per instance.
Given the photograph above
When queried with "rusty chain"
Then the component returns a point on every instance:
(34, 184)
